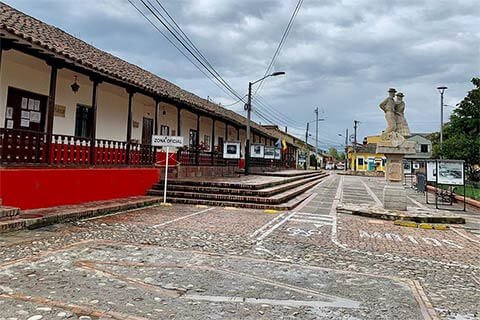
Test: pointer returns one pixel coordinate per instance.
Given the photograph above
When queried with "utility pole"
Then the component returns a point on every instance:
(346, 149)
(307, 160)
(355, 126)
(441, 90)
(247, 142)
(316, 138)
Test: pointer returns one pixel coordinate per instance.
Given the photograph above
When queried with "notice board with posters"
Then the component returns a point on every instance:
(451, 172)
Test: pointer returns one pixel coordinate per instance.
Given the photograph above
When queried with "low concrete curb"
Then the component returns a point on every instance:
(31, 219)
(417, 215)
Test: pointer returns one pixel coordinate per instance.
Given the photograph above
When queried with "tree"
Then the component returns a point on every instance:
(332, 152)
(462, 133)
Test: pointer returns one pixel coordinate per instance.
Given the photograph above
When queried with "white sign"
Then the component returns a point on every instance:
(278, 154)
(231, 150)
(167, 141)
(269, 153)
(450, 172)
(257, 150)
(431, 171)
(407, 167)
(35, 116)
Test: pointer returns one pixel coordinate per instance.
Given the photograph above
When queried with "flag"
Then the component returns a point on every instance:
(284, 146)
(278, 144)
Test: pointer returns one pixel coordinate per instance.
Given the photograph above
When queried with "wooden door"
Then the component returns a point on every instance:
(147, 131)
(25, 110)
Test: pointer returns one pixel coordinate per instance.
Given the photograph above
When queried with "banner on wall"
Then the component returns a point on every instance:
(257, 151)
(269, 153)
(231, 150)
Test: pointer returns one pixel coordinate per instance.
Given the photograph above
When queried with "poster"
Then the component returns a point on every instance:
(36, 105)
(278, 154)
(31, 104)
(35, 117)
(24, 103)
(231, 150)
(431, 171)
(9, 124)
(25, 123)
(9, 114)
(257, 151)
(269, 153)
(407, 167)
(450, 172)
(25, 114)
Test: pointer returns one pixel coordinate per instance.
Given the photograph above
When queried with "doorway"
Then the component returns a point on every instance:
(147, 131)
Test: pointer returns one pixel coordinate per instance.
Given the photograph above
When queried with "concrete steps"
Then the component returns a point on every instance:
(279, 193)
(265, 192)
(8, 213)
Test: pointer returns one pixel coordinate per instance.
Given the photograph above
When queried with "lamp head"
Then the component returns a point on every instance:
(278, 73)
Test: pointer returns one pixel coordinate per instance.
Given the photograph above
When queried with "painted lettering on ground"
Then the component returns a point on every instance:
(390, 236)
(302, 232)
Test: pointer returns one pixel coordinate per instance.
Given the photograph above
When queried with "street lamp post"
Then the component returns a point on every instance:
(248, 106)
(441, 90)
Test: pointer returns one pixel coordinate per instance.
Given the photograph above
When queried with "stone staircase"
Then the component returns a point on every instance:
(278, 192)
(10, 218)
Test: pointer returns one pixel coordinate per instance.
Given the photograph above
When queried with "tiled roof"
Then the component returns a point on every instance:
(79, 52)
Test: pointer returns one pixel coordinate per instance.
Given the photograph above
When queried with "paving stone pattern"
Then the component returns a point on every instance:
(187, 262)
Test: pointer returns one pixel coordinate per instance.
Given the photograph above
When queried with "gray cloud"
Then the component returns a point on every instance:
(341, 55)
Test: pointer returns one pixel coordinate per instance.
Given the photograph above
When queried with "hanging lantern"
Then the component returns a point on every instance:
(75, 86)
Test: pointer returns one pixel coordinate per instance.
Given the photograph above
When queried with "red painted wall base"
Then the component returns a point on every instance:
(40, 188)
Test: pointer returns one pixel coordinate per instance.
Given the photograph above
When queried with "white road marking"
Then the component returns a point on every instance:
(183, 217)
(269, 223)
(311, 221)
(373, 195)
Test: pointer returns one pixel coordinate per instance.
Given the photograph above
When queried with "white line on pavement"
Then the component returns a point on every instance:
(311, 221)
(181, 218)
(373, 195)
(418, 204)
(333, 213)
(269, 223)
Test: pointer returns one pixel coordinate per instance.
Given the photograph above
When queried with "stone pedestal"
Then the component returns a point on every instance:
(394, 194)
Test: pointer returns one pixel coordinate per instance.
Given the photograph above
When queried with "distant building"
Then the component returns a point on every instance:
(366, 159)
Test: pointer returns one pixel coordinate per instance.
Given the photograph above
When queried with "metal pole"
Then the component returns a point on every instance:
(307, 160)
(316, 139)
(441, 124)
(247, 143)
(346, 149)
(355, 145)
(166, 175)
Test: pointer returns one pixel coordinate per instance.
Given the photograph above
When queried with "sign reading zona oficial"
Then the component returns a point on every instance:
(167, 141)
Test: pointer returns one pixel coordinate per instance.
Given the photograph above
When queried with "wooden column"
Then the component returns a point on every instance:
(50, 109)
(226, 131)
(238, 134)
(129, 123)
(179, 121)
(155, 122)
(212, 140)
(1, 51)
(93, 136)
(197, 141)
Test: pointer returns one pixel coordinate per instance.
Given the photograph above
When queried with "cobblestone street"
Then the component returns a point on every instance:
(188, 262)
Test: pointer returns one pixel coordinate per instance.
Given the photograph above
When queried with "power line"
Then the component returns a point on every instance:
(189, 48)
(179, 49)
(282, 41)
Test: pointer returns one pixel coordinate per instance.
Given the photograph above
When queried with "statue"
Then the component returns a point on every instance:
(401, 122)
(397, 127)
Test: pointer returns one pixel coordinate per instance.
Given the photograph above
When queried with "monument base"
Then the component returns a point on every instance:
(394, 194)
(395, 197)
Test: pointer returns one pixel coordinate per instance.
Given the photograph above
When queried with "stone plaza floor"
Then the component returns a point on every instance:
(188, 262)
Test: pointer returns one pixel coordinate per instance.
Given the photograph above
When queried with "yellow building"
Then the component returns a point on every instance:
(365, 158)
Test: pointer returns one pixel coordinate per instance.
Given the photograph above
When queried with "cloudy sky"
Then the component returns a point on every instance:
(340, 56)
